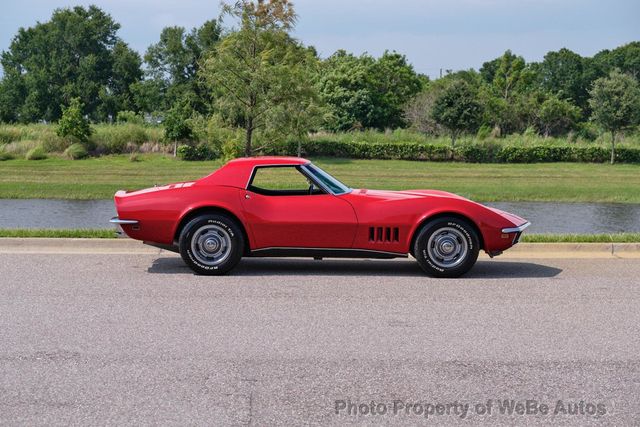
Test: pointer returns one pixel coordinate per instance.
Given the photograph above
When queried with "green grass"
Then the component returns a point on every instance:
(581, 238)
(526, 238)
(100, 178)
(79, 233)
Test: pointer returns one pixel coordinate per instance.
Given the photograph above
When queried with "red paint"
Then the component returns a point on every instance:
(322, 221)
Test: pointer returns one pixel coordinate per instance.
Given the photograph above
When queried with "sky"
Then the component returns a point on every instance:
(433, 34)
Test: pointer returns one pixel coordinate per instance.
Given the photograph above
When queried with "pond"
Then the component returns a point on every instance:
(546, 217)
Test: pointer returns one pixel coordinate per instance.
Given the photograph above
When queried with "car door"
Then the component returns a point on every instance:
(284, 208)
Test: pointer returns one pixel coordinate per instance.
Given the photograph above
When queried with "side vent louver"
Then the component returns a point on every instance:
(384, 234)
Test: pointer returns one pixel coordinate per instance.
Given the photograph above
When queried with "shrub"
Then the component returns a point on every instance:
(20, 148)
(473, 153)
(5, 156)
(129, 117)
(483, 132)
(176, 122)
(588, 131)
(36, 153)
(116, 139)
(73, 124)
(76, 151)
(198, 152)
(231, 149)
(9, 134)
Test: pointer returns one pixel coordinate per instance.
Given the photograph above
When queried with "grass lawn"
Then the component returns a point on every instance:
(99, 178)
(79, 233)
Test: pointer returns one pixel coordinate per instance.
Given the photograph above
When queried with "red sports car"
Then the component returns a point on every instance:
(287, 206)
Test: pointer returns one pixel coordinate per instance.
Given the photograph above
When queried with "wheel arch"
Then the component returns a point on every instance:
(210, 209)
(438, 215)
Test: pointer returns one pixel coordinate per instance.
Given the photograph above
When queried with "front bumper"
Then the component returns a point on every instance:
(518, 229)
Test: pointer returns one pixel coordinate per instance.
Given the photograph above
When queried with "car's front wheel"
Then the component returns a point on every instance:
(211, 244)
(446, 247)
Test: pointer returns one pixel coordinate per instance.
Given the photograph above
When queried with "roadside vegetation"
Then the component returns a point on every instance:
(100, 178)
(243, 85)
(581, 238)
(62, 234)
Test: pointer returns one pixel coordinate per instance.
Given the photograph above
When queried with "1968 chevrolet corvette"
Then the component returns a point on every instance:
(287, 206)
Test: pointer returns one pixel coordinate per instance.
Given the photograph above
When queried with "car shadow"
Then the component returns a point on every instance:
(404, 268)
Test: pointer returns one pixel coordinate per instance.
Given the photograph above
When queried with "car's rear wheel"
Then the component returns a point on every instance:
(446, 247)
(211, 244)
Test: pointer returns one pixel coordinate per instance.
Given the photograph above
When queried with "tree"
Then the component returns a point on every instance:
(419, 111)
(557, 116)
(615, 102)
(69, 56)
(126, 71)
(345, 85)
(73, 123)
(173, 64)
(457, 110)
(562, 74)
(506, 97)
(511, 76)
(625, 58)
(395, 83)
(303, 112)
(251, 68)
(176, 123)
(364, 92)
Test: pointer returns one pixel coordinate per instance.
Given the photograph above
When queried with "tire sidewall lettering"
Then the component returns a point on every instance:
(189, 236)
(427, 263)
(464, 231)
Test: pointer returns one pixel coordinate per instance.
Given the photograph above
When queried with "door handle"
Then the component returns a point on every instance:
(246, 196)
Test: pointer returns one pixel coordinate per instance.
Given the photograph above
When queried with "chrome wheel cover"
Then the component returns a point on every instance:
(447, 247)
(211, 245)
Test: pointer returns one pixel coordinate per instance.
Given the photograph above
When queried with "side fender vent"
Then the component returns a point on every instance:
(384, 234)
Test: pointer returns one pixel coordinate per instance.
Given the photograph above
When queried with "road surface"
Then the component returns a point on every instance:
(138, 339)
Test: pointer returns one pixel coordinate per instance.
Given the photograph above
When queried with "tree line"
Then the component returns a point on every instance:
(254, 79)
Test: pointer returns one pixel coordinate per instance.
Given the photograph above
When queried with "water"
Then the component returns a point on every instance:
(545, 217)
(46, 213)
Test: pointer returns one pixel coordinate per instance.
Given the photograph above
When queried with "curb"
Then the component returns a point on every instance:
(36, 245)
(39, 245)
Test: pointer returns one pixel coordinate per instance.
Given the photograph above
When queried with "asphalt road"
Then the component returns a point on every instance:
(138, 339)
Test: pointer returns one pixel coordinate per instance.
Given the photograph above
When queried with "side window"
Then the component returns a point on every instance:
(281, 181)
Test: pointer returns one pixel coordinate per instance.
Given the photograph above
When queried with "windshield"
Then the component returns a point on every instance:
(335, 186)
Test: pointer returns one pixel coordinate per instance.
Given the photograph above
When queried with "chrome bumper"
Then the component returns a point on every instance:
(518, 229)
(116, 220)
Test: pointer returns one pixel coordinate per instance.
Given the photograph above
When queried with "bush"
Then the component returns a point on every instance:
(588, 131)
(473, 153)
(20, 148)
(36, 153)
(176, 123)
(5, 156)
(76, 151)
(73, 124)
(484, 132)
(129, 117)
(231, 149)
(9, 134)
(117, 139)
(199, 152)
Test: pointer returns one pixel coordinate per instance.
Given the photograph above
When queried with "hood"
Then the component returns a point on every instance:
(515, 219)
(405, 194)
